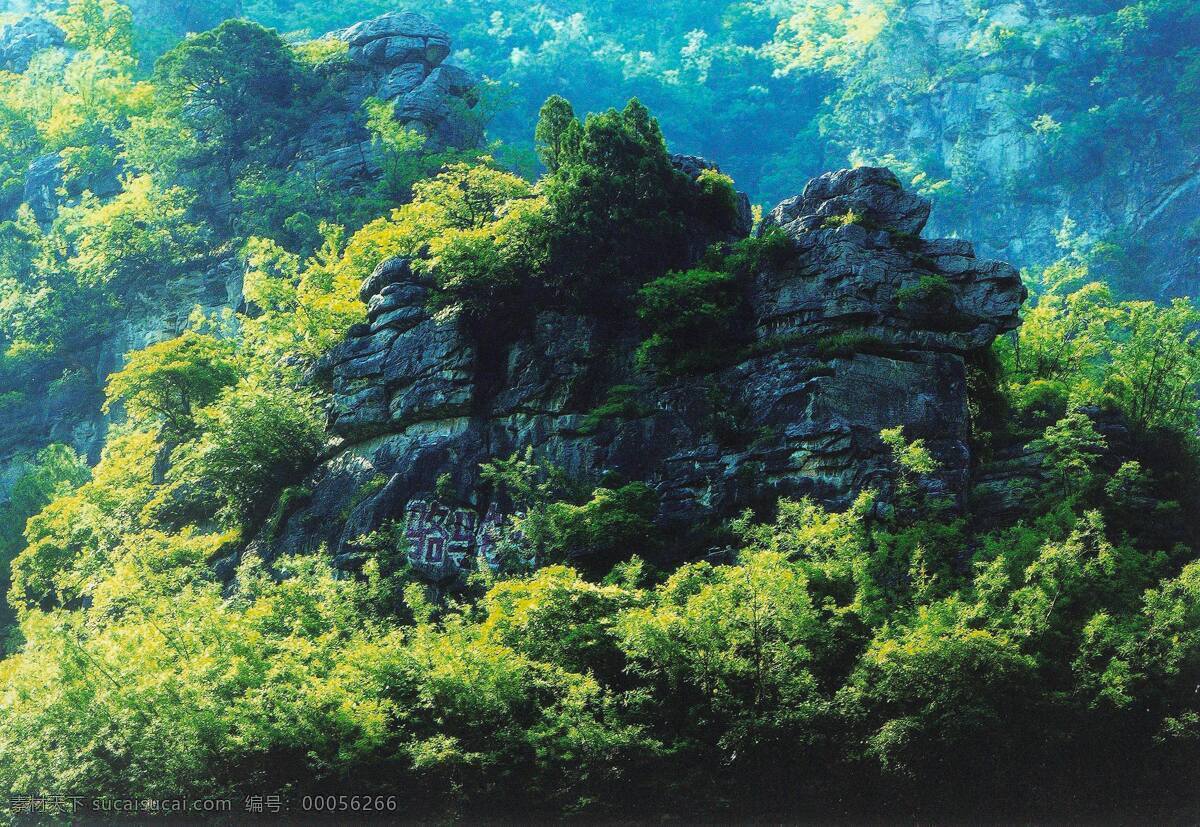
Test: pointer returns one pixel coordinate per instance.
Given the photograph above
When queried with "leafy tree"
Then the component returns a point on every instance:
(693, 316)
(615, 204)
(55, 471)
(1086, 348)
(489, 271)
(1072, 447)
(143, 234)
(257, 438)
(306, 309)
(399, 145)
(745, 638)
(230, 89)
(169, 382)
(67, 542)
(912, 461)
(1155, 371)
(939, 693)
(557, 132)
(470, 196)
(105, 25)
(611, 525)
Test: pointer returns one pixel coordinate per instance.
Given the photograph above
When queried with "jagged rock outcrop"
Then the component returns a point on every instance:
(865, 326)
(21, 40)
(397, 57)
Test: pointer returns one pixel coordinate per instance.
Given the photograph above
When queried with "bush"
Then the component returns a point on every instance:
(691, 316)
(718, 200)
(259, 437)
(929, 293)
(609, 526)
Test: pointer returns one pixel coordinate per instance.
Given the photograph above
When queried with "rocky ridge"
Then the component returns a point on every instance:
(433, 97)
(866, 326)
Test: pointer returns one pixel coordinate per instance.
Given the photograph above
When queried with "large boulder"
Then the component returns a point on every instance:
(396, 57)
(872, 195)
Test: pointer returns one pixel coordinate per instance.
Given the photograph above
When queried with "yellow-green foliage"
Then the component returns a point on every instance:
(828, 35)
(1088, 348)
(68, 542)
(306, 307)
(170, 381)
(145, 234)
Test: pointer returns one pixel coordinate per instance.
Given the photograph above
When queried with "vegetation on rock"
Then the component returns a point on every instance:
(898, 654)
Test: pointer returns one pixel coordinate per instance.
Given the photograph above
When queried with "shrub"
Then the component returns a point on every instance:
(259, 437)
(612, 524)
(691, 317)
(929, 293)
(620, 402)
(718, 197)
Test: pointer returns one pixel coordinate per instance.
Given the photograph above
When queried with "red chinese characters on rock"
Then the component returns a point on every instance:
(442, 539)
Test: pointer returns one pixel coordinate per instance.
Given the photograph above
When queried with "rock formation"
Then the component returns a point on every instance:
(20, 41)
(397, 56)
(866, 326)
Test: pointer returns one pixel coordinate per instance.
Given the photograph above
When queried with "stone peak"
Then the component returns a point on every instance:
(874, 194)
(392, 24)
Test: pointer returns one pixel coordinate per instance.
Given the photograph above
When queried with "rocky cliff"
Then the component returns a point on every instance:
(864, 326)
(395, 57)
(1131, 177)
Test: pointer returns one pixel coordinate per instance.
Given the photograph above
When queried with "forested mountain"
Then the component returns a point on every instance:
(1030, 123)
(384, 435)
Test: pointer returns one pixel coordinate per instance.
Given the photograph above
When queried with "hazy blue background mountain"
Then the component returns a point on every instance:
(1020, 118)
(1017, 118)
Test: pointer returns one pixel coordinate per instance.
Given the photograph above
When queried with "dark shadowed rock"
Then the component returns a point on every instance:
(693, 165)
(847, 339)
(389, 272)
(42, 182)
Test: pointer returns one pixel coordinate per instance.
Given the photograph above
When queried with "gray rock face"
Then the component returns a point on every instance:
(41, 187)
(44, 186)
(1147, 199)
(20, 41)
(845, 342)
(872, 194)
(397, 57)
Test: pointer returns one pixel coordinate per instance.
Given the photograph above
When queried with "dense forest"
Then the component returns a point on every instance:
(1003, 624)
